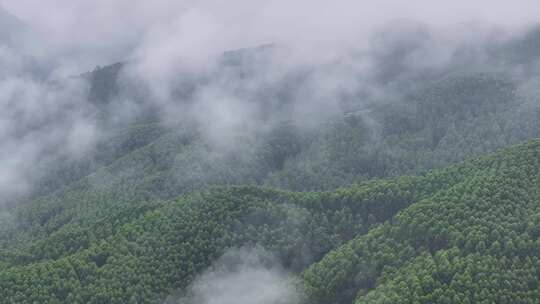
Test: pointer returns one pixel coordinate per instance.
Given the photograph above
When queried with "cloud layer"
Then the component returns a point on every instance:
(242, 276)
(323, 54)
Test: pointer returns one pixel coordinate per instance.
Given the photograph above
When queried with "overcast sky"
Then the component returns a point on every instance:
(98, 31)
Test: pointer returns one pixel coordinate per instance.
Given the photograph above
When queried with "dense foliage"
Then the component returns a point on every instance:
(477, 215)
(472, 242)
(388, 201)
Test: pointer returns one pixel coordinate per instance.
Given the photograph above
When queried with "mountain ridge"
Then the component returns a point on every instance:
(231, 205)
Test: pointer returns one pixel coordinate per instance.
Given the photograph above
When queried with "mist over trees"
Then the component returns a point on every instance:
(213, 154)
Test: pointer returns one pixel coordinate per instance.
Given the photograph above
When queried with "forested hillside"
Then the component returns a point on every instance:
(465, 233)
(474, 242)
(404, 171)
(147, 162)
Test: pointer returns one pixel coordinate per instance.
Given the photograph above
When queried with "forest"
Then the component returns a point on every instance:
(421, 185)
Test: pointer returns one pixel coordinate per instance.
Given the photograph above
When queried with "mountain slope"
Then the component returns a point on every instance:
(144, 254)
(145, 212)
(433, 120)
(473, 242)
(146, 163)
